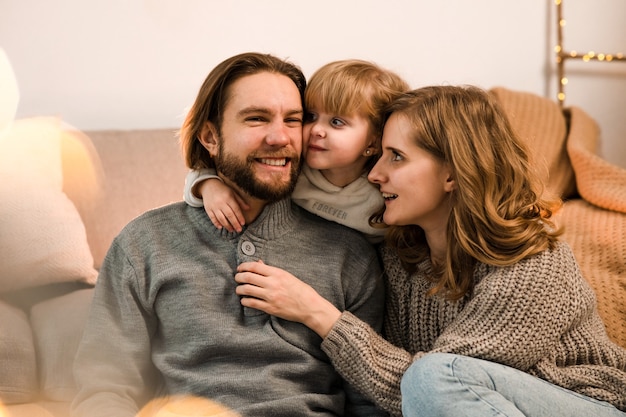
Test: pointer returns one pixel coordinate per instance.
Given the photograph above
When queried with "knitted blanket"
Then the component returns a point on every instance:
(595, 223)
(564, 148)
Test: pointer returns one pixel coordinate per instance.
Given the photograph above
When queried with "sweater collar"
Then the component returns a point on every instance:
(275, 220)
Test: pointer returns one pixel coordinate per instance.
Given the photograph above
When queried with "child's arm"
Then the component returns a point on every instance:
(193, 179)
(222, 205)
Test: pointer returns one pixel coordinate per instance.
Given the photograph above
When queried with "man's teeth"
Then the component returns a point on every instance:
(389, 196)
(274, 162)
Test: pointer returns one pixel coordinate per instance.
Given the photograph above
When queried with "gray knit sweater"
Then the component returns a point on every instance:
(166, 320)
(538, 316)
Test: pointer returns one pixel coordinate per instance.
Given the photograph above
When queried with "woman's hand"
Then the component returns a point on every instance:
(278, 293)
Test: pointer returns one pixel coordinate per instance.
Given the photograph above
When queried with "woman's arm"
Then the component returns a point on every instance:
(279, 293)
(363, 357)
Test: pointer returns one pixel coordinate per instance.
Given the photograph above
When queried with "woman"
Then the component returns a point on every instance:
(487, 312)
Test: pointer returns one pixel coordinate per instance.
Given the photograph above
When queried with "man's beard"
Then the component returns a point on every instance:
(242, 175)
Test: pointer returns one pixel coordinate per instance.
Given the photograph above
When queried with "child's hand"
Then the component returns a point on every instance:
(223, 205)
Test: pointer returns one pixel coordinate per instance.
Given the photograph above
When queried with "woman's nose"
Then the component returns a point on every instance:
(375, 174)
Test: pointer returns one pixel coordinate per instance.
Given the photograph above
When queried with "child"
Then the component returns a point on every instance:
(341, 143)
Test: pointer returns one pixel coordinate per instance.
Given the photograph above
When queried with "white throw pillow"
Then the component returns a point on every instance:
(42, 236)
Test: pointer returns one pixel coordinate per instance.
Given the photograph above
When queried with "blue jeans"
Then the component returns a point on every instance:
(442, 384)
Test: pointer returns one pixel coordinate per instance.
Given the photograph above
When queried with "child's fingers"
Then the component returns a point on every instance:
(233, 220)
(217, 222)
(238, 209)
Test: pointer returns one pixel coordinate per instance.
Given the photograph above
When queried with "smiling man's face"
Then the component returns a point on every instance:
(258, 148)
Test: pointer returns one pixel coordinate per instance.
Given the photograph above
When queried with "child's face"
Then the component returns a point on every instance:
(336, 145)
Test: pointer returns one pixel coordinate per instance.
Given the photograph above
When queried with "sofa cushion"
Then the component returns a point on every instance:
(598, 181)
(18, 364)
(58, 325)
(540, 122)
(142, 169)
(43, 238)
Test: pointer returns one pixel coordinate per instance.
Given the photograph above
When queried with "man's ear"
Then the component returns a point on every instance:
(208, 138)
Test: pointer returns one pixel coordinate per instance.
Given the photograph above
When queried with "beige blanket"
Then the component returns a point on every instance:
(595, 224)
(564, 148)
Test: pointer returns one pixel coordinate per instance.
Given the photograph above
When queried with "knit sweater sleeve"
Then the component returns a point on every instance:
(369, 362)
(193, 178)
(113, 371)
(516, 315)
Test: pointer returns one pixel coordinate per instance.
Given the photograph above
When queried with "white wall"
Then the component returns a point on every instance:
(128, 64)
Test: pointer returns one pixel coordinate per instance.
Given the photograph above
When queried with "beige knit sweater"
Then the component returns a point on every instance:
(538, 316)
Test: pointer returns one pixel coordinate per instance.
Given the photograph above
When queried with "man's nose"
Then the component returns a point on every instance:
(279, 134)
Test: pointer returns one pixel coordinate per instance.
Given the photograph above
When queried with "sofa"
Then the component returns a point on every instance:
(96, 182)
(66, 194)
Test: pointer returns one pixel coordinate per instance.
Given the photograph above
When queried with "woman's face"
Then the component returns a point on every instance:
(414, 184)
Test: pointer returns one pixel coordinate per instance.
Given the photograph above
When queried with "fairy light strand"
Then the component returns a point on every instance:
(562, 55)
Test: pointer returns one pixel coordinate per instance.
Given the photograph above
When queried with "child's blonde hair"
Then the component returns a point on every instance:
(355, 87)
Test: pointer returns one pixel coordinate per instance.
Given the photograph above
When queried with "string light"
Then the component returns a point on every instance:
(562, 55)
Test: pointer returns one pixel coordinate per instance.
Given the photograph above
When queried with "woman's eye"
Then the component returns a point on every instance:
(395, 156)
(337, 122)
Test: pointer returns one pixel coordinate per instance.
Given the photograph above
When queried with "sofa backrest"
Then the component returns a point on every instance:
(541, 123)
(134, 171)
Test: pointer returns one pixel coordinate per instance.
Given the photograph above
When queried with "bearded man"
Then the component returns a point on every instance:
(166, 321)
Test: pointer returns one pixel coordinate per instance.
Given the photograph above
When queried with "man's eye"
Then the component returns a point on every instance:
(294, 121)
